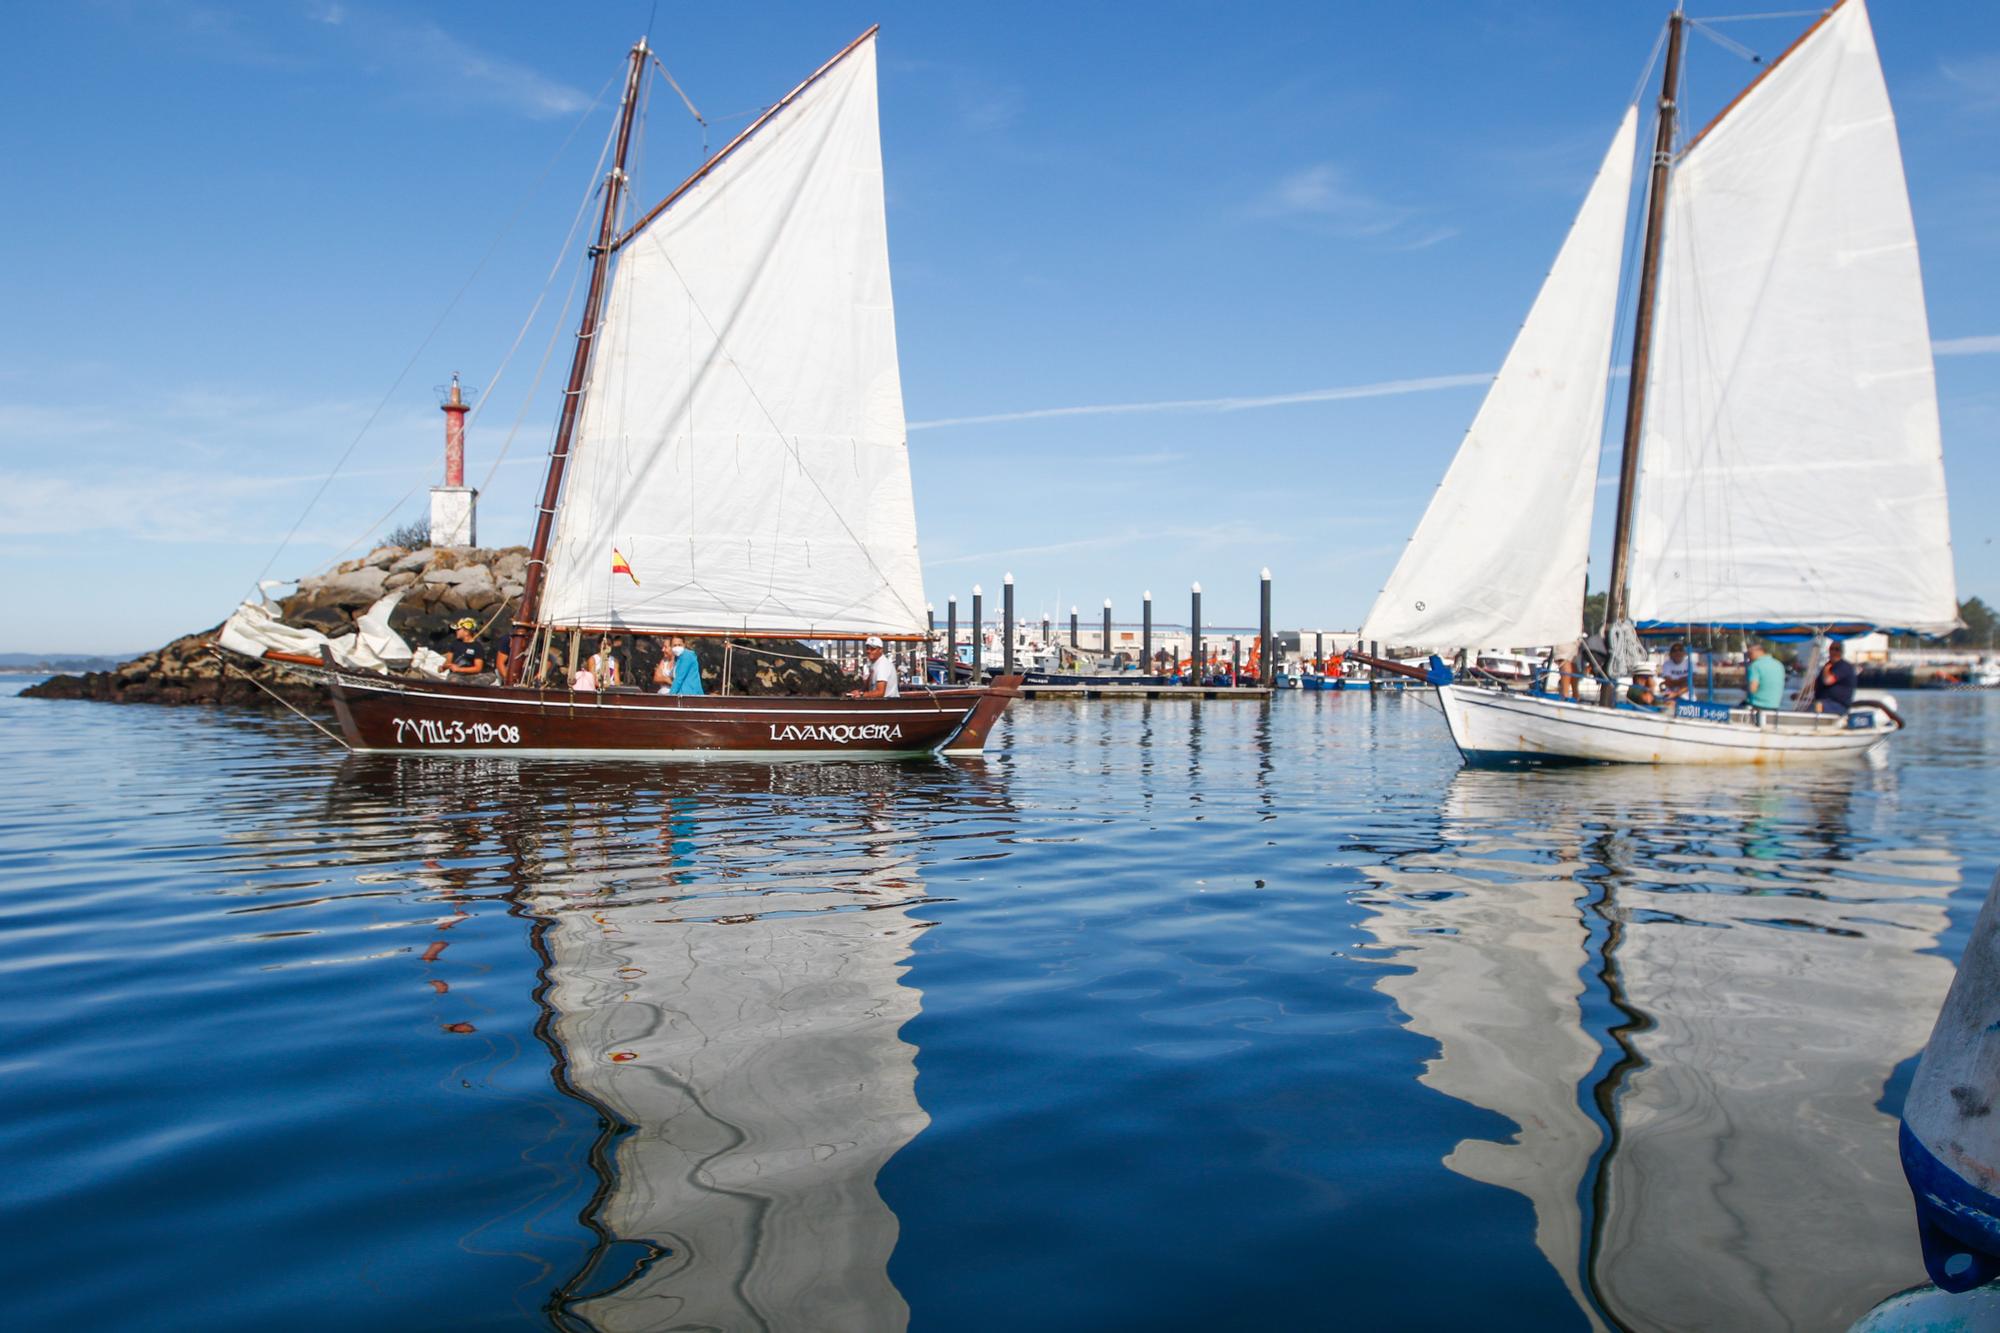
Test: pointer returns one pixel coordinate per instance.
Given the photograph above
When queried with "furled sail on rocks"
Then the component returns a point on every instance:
(1499, 557)
(742, 440)
(1792, 471)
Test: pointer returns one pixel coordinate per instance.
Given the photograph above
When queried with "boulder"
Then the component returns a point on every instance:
(385, 557)
(348, 587)
(510, 567)
(449, 575)
(399, 580)
(413, 563)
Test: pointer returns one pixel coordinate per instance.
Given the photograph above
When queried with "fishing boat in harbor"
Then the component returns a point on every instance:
(1782, 473)
(730, 463)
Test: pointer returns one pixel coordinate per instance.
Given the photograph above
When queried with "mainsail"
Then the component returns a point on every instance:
(1792, 470)
(742, 439)
(1499, 557)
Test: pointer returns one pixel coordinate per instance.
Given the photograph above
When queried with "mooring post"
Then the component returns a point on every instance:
(1319, 651)
(1374, 650)
(1007, 625)
(1194, 645)
(1266, 656)
(978, 638)
(1107, 627)
(1236, 661)
(1146, 632)
(1072, 628)
(951, 639)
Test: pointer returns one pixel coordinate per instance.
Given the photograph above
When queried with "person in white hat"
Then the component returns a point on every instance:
(880, 674)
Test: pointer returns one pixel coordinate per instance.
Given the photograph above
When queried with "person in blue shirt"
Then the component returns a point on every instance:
(679, 670)
(1764, 679)
(687, 669)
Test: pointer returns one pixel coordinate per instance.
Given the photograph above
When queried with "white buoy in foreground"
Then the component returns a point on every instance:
(1951, 1122)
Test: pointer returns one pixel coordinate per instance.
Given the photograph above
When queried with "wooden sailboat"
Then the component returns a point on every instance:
(730, 459)
(1782, 469)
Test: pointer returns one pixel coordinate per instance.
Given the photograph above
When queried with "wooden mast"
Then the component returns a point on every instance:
(593, 305)
(1618, 603)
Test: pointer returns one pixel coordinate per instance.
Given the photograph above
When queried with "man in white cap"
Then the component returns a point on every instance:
(880, 674)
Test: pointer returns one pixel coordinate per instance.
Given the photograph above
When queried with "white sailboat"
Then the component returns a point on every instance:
(1783, 470)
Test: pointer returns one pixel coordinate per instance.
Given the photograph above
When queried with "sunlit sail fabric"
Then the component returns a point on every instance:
(1792, 469)
(742, 440)
(1499, 557)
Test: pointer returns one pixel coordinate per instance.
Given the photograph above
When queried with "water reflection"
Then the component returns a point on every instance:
(723, 952)
(1688, 992)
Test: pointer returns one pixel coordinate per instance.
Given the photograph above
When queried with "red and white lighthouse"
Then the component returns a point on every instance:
(454, 505)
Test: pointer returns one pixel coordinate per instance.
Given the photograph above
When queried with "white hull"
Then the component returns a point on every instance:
(1492, 726)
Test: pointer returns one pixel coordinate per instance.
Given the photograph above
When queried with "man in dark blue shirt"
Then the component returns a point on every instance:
(1835, 692)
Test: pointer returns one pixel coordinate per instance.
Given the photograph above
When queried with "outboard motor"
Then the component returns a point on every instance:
(1951, 1122)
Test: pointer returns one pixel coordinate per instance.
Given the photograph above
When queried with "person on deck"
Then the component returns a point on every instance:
(687, 670)
(1640, 692)
(1835, 692)
(604, 666)
(1764, 680)
(880, 674)
(1674, 672)
(467, 656)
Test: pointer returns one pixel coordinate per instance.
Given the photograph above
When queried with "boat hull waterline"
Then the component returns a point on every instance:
(1496, 727)
(386, 714)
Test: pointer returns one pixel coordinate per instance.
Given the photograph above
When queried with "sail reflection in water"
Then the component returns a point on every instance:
(1690, 1001)
(723, 962)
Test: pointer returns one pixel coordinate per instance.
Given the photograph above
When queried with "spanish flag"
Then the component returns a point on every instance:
(620, 565)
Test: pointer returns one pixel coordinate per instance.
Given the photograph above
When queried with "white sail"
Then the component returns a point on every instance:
(1499, 556)
(742, 440)
(1792, 469)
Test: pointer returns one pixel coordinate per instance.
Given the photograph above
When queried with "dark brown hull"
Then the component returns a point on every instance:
(393, 714)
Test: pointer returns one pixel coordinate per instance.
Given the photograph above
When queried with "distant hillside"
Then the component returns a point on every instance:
(42, 663)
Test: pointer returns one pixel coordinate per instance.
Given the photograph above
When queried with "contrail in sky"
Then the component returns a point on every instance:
(1385, 389)
(1973, 346)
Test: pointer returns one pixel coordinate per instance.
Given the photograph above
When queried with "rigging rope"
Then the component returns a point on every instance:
(492, 248)
(1729, 44)
(1746, 18)
(228, 665)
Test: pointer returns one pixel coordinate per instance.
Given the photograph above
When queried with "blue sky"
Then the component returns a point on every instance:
(1314, 227)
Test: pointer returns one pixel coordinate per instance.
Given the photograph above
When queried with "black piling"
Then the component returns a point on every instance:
(951, 639)
(1264, 629)
(1194, 637)
(1146, 633)
(1007, 625)
(978, 637)
(1072, 628)
(1105, 646)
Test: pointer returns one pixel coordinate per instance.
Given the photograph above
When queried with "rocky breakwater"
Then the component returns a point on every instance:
(440, 586)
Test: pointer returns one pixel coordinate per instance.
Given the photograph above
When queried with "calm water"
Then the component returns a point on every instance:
(1162, 1017)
